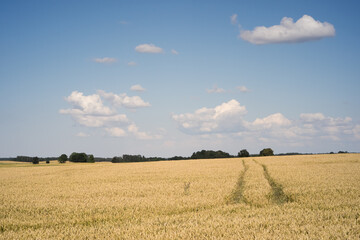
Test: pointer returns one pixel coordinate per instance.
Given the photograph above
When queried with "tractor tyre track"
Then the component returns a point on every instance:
(277, 196)
(237, 195)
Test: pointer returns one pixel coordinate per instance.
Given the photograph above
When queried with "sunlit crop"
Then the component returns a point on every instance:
(289, 197)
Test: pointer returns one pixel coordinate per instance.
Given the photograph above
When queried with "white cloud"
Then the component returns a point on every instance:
(271, 121)
(227, 120)
(116, 132)
(94, 119)
(356, 131)
(98, 121)
(243, 89)
(137, 88)
(233, 19)
(304, 29)
(131, 131)
(326, 126)
(215, 89)
(122, 100)
(148, 48)
(91, 104)
(89, 111)
(81, 134)
(311, 117)
(225, 117)
(132, 128)
(132, 64)
(174, 52)
(105, 60)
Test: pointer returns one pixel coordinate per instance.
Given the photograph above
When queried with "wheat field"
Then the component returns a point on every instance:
(280, 197)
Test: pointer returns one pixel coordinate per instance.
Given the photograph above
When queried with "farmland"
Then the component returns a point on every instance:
(279, 197)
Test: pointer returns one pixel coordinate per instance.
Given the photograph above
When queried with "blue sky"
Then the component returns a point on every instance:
(165, 78)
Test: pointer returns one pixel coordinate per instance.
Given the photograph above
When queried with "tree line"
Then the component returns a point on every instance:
(203, 154)
(85, 158)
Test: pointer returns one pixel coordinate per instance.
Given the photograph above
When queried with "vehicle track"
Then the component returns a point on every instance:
(236, 195)
(278, 196)
(256, 187)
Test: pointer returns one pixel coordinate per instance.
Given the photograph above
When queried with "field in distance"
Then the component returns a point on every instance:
(287, 197)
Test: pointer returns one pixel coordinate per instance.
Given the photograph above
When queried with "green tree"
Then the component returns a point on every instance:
(63, 158)
(117, 159)
(267, 152)
(91, 158)
(243, 153)
(78, 157)
(35, 160)
(206, 154)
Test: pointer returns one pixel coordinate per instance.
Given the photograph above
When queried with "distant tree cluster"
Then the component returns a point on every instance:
(102, 159)
(76, 157)
(133, 158)
(24, 159)
(178, 158)
(289, 154)
(243, 153)
(63, 158)
(117, 159)
(32, 159)
(91, 158)
(136, 158)
(206, 154)
(139, 158)
(267, 152)
(35, 160)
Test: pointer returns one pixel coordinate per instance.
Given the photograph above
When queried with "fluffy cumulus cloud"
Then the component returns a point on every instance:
(229, 119)
(123, 100)
(271, 121)
(225, 117)
(90, 111)
(148, 48)
(85, 105)
(304, 29)
(105, 60)
(137, 88)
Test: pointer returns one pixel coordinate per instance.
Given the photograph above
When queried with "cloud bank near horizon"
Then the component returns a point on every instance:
(228, 119)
